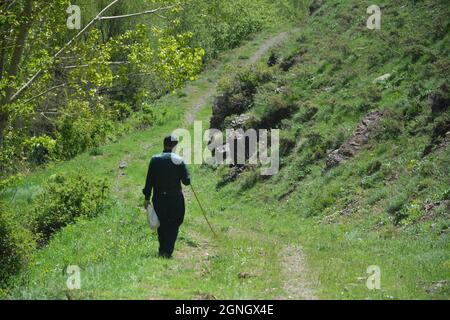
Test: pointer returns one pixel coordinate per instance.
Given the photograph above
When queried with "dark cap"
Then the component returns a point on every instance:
(170, 141)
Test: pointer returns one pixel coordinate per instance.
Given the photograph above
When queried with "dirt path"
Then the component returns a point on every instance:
(198, 104)
(266, 46)
(296, 285)
(195, 250)
(263, 49)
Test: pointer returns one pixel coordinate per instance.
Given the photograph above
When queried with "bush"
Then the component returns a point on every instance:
(16, 245)
(396, 209)
(249, 179)
(389, 128)
(145, 118)
(238, 93)
(246, 80)
(82, 128)
(39, 150)
(287, 143)
(222, 25)
(63, 200)
(306, 114)
(274, 110)
(336, 139)
(121, 110)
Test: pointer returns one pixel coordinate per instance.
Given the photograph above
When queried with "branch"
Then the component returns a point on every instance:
(97, 18)
(87, 65)
(64, 47)
(138, 13)
(16, 55)
(46, 91)
(9, 5)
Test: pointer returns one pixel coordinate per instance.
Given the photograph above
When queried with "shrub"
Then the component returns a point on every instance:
(145, 118)
(373, 93)
(64, 199)
(246, 80)
(287, 143)
(411, 212)
(396, 209)
(39, 150)
(16, 245)
(389, 128)
(373, 167)
(81, 128)
(238, 92)
(336, 139)
(412, 110)
(96, 152)
(306, 114)
(275, 110)
(249, 179)
(446, 194)
(121, 110)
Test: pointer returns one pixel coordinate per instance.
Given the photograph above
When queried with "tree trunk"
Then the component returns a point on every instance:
(3, 123)
(19, 47)
(2, 57)
(16, 57)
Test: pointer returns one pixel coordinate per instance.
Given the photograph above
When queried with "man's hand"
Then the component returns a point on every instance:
(146, 202)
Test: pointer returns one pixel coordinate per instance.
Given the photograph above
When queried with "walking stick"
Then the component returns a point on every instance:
(203, 211)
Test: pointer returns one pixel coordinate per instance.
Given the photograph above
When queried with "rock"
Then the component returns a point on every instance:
(123, 165)
(280, 89)
(292, 60)
(315, 5)
(219, 113)
(240, 121)
(273, 59)
(440, 138)
(206, 296)
(361, 136)
(437, 286)
(244, 275)
(383, 78)
(439, 100)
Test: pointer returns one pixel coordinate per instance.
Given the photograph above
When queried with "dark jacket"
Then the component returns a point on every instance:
(165, 174)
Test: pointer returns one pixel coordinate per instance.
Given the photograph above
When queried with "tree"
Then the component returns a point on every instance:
(46, 69)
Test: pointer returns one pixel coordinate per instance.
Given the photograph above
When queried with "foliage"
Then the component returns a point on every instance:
(64, 199)
(221, 25)
(81, 128)
(16, 245)
(108, 73)
(385, 205)
(39, 150)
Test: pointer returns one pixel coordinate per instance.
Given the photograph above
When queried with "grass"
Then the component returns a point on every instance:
(117, 252)
(344, 218)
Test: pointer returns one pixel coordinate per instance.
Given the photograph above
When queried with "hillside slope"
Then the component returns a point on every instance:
(364, 176)
(116, 251)
(365, 127)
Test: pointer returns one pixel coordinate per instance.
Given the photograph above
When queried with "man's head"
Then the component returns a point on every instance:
(170, 142)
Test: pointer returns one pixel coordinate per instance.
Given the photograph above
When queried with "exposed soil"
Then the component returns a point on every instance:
(296, 285)
(361, 136)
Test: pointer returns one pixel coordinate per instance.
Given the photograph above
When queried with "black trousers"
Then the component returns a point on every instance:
(167, 236)
(170, 210)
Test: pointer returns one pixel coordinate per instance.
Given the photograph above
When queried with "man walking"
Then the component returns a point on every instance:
(165, 174)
